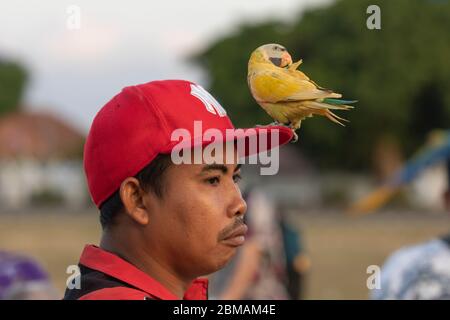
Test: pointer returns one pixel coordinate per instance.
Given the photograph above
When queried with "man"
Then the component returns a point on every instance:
(164, 224)
(421, 271)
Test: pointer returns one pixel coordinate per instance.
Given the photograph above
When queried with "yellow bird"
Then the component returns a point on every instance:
(286, 93)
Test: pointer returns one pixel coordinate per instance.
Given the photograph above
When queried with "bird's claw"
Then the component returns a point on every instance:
(276, 123)
(295, 138)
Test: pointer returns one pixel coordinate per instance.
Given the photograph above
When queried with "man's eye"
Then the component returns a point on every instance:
(237, 178)
(213, 181)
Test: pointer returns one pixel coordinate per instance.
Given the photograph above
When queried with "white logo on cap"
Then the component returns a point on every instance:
(211, 104)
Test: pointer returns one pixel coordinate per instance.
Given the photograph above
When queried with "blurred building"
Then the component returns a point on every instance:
(40, 161)
(300, 184)
(296, 184)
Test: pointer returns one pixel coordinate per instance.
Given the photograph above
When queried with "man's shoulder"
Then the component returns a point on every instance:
(116, 293)
(95, 285)
(425, 251)
(409, 271)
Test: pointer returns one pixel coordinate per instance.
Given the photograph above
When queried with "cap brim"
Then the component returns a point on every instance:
(264, 139)
(251, 140)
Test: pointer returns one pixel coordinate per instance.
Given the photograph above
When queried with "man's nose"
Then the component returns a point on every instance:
(238, 206)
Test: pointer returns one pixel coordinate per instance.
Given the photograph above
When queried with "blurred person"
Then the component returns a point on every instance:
(23, 278)
(421, 271)
(164, 224)
(298, 262)
(266, 265)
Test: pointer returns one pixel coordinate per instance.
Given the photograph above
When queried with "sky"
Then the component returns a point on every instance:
(75, 71)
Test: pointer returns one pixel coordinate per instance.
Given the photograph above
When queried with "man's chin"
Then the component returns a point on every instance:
(226, 258)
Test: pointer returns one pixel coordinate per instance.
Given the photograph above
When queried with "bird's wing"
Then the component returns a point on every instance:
(300, 75)
(273, 85)
(292, 69)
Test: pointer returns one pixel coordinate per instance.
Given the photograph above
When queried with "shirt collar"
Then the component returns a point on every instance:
(98, 259)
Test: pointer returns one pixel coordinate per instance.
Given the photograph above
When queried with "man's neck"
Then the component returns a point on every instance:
(141, 259)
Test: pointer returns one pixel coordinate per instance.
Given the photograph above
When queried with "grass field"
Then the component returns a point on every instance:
(341, 248)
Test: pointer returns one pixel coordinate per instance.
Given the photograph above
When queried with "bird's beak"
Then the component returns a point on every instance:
(276, 61)
(286, 60)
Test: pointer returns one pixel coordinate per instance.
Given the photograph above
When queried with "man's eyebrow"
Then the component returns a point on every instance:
(220, 167)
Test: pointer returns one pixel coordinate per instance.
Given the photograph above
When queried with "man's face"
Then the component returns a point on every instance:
(194, 224)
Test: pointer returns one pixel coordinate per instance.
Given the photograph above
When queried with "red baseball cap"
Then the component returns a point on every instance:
(137, 124)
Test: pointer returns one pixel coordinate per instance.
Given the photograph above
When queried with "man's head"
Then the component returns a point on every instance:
(187, 215)
(190, 216)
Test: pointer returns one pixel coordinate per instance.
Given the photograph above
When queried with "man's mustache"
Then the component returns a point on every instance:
(227, 231)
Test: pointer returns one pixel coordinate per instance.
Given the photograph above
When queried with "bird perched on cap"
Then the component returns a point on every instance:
(286, 93)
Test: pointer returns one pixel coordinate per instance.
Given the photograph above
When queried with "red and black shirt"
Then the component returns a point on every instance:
(105, 276)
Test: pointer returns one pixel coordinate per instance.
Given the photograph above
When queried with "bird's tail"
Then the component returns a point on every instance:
(324, 109)
(338, 102)
(333, 117)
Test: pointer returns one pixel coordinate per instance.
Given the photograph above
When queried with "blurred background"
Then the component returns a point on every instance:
(60, 61)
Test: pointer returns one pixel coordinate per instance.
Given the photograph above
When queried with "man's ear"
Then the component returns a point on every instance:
(132, 196)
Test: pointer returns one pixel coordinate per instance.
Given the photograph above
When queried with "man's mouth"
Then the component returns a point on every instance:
(236, 237)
